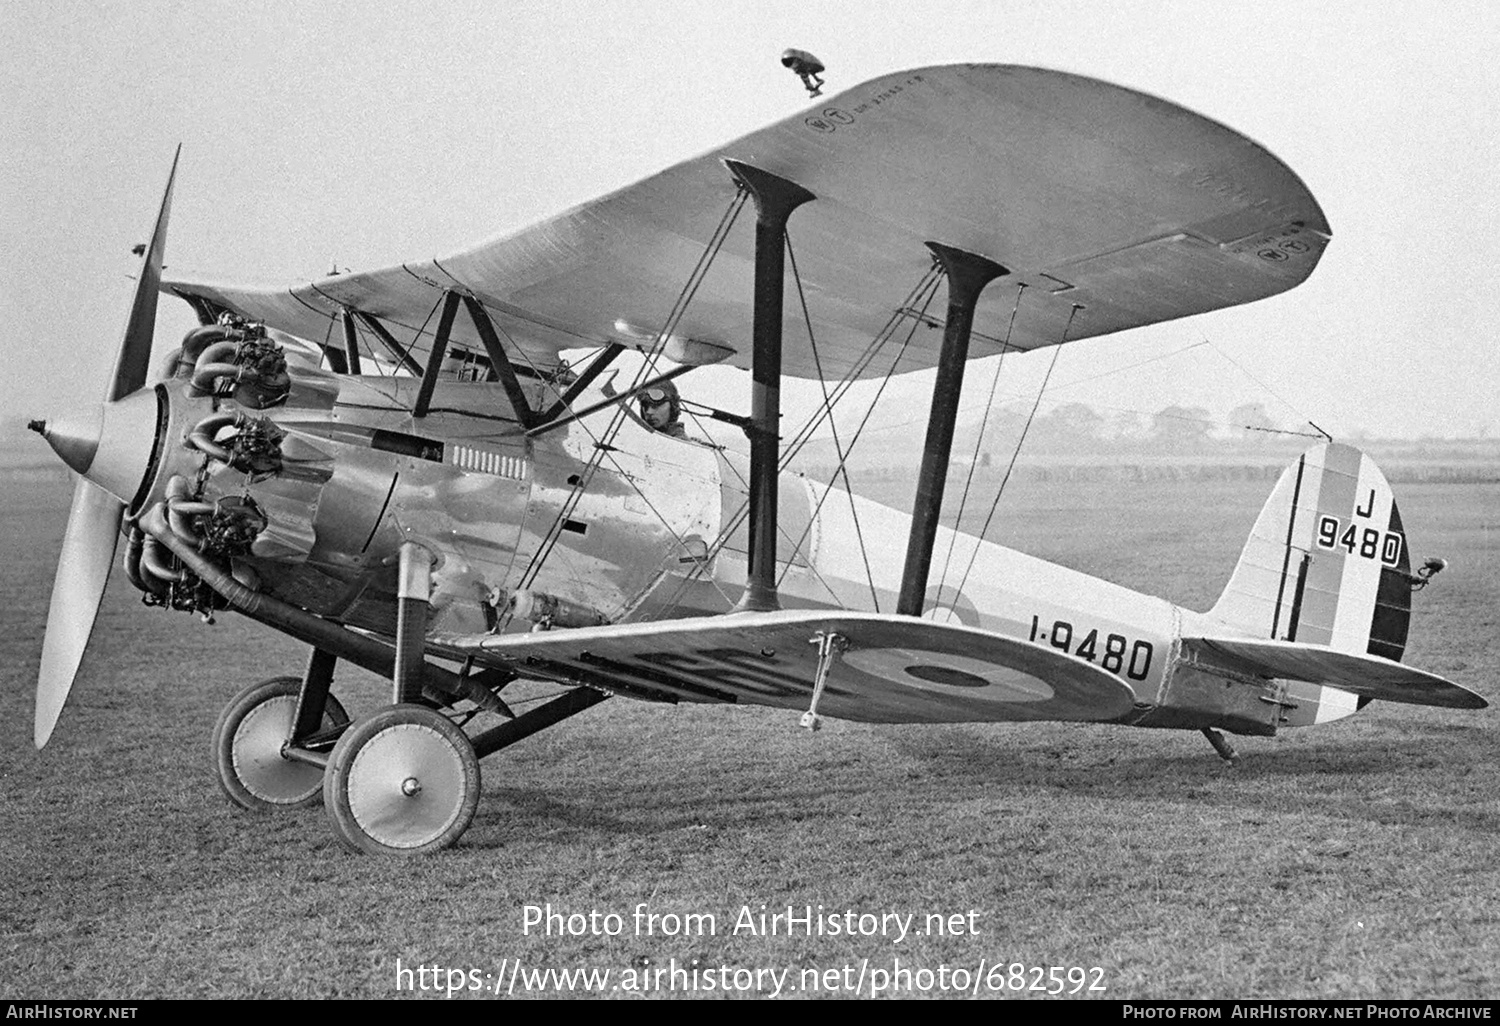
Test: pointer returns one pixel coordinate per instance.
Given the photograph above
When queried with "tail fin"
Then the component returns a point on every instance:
(1326, 563)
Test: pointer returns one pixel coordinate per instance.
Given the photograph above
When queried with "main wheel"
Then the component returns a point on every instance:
(402, 781)
(247, 747)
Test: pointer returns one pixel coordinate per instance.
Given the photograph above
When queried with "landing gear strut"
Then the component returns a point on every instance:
(403, 780)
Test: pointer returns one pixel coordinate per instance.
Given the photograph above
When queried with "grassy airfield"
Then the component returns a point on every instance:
(1353, 860)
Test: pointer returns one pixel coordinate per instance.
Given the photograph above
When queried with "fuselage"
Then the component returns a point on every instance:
(644, 526)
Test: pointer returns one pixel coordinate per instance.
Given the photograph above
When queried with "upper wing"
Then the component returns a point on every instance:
(1127, 207)
(895, 669)
(1365, 675)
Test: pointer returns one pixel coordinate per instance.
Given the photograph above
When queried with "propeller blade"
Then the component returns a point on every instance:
(88, 553)
(88, 550)
(135, 350)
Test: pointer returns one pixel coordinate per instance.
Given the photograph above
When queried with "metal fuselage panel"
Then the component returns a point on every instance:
(650, 509)
(641, 541)
(470, 487)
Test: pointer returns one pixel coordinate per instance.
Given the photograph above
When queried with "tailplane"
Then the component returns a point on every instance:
(1363, 677)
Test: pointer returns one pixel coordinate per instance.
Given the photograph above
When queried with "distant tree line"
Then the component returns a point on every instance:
(1078, 427)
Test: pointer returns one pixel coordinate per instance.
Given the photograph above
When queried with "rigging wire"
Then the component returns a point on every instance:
(780, 528)
(405, 354)
(838, 445)
(876, 399)
(973, 555)
(603, 442)
(803, 435)
(1131, 366)
(792, 452)
(1268, 388)
(1018, 397)
(1012, 400)
(979, 439)
(363, 333)
(1008, 399)
(927, 285)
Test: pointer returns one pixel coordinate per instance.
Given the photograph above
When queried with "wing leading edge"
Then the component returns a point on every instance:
(1125, 206)
(893, 670)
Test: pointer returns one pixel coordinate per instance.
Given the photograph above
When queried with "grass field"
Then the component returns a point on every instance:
(1353, 860)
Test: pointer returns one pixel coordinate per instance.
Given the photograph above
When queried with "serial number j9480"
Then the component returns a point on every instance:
(1112, 652)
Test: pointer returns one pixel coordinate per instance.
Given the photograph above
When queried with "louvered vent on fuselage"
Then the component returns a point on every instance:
(485, 462)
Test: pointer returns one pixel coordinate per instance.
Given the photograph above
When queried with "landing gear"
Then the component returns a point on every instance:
(402, 781)
(248, 743)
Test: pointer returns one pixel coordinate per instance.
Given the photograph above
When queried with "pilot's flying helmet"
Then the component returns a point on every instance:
(659, 394)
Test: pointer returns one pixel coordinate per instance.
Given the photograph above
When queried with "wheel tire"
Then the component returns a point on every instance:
(402, 781)
(247, 747)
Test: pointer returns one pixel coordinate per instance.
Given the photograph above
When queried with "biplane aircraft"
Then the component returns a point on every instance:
(481, 515)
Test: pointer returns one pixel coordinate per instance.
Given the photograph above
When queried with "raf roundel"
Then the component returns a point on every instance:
(949, 674)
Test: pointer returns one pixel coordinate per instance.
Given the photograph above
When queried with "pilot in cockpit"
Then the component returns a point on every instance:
(661, 409)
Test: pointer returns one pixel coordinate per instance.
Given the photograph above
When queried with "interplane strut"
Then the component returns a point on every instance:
(775, 199)
(968, 274)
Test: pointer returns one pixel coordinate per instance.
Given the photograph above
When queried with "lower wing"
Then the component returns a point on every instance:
(881, 668)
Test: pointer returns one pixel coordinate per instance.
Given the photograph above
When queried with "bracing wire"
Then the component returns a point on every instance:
(979, 440)
(880, 390)
(363, 336)
(1011, 398)
(1131, 366)
(1268, 388)
(604, 441)
(406, 351)
(974, 554)
(838, 445)
(926, 286)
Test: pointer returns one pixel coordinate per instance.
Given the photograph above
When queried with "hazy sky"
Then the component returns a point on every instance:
(371, 133)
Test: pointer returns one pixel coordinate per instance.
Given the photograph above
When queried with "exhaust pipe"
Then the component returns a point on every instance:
(440, 685)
